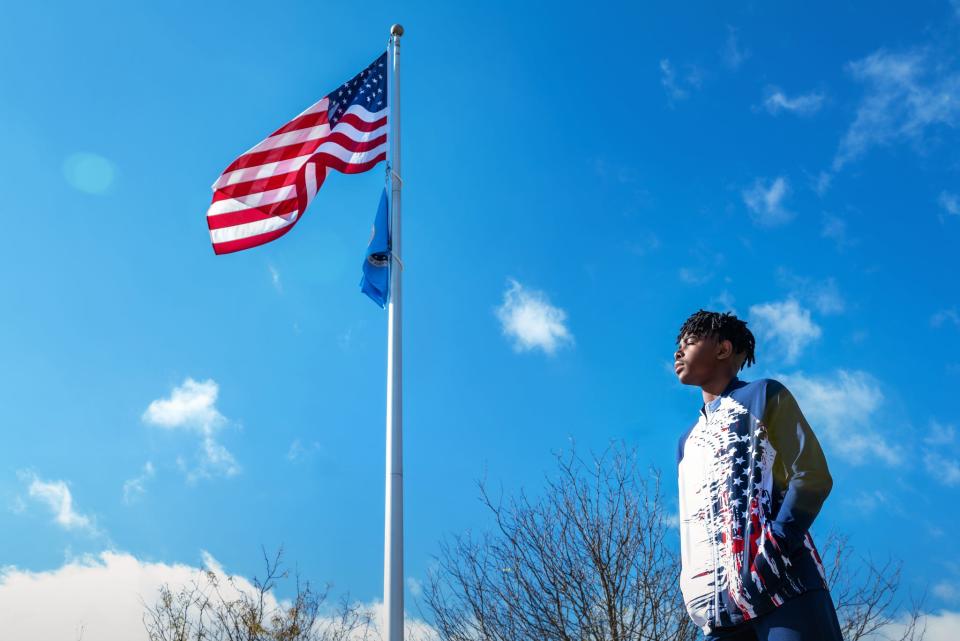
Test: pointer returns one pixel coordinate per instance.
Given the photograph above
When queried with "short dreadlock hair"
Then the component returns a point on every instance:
(723, 327)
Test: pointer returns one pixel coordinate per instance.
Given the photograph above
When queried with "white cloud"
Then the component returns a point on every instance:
(940, 626)
(104, 596)
(18, 505)
(723, 302)
(527, 316)
(824, 295)
(947, 590)
(867, 502)
(776, 101)
(950, 203)
(299, 452)
(905, 98)
(765, 202)
(835, 228)
(943, 469)
(57, 497)
(844, 410)
(945, 316)
(678, 88)
(694, 275)
(940, 434)
(785, 325)
(733, 54)
(669, 81)
(623, 174)
(135, 488)
(644, 244)
(275, 278)
(415, 587)
(100, 595)
(192, 407)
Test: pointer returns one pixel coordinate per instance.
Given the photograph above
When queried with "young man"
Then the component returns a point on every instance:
(752, 479)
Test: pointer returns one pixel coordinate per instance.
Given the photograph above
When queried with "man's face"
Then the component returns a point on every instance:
(695, 361)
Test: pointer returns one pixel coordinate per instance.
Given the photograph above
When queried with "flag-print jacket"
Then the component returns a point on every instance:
(752, 479)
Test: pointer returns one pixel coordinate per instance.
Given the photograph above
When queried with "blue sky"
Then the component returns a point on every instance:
(575, 184)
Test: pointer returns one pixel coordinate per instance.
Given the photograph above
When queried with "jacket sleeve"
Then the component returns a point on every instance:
(800, 466)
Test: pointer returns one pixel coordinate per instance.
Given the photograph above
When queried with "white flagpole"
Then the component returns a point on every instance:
(393, 514)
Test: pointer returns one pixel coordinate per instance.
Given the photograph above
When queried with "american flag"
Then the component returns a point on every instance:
(264, 192)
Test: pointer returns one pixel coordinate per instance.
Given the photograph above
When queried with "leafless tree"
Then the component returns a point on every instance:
(868, 596)
(595, 559)
(216, 608)
(589, 561)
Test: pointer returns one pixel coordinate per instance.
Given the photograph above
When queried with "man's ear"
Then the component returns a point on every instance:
(724, 350)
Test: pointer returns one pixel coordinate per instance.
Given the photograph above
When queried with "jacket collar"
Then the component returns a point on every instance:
(735, 383)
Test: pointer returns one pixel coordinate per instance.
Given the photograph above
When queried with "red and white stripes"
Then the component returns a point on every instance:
(262, 194)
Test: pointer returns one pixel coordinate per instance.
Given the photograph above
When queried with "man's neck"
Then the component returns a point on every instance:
(714, 388)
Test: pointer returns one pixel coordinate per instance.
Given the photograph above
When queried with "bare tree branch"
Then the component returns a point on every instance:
(211, 609)
(595, 559)
(587, 561)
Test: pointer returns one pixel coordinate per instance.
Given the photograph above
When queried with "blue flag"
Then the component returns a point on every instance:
(376, 268)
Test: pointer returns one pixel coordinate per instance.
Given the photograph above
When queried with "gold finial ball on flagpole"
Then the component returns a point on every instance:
(396, 30)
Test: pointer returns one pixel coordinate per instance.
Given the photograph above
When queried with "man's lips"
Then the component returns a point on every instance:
(678, 366)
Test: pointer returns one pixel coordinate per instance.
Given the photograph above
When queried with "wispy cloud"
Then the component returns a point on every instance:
(275, 278)
(943, 469)
(527, 317)
(623, 174)
(844, 411)
(947, 590)
(643, 244)
(941, 454)
(835, 229)
(415, 587)
(765, 201)
(867, 502)
(945, 317)
(822, 182)
(56, 496)
(694, 275)
(775, 102)
(905, 98)
(677, 86)
(786, 326)
(823, 295)
(949, 202)
(135, 488)
(939, 625)
(940, 434)
(733, 53)
(703, 266)
(191, 406)
(723, 302)
(299, 452)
